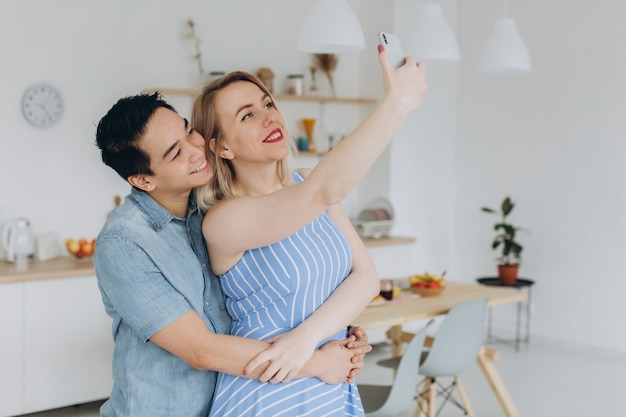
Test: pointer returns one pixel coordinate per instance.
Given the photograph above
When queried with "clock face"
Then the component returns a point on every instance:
(42, 105)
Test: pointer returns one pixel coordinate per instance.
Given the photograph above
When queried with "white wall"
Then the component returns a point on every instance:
(95, 52)
(553, 140)
(550, 139)
(422, 168)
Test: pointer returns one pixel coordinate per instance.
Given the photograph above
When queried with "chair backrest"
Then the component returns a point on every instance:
(402, 392)
(458, 340)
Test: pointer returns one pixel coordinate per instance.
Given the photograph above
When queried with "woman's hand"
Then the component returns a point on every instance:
(340, 363)
(287, 355)
(359, 342)
(406, 85)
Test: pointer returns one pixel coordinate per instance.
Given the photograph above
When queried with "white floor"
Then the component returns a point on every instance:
(544, 380)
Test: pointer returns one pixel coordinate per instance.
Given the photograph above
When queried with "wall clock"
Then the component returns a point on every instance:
(42, 105)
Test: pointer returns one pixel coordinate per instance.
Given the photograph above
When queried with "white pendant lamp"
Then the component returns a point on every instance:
(331, 27)
(505, 51)
(432, 38)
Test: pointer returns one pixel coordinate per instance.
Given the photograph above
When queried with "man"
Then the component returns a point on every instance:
(169, 322)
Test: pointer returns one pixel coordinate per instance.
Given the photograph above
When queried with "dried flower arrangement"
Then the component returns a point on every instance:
(313, 87)
(327, 63)
(197, 42)
(266, 75)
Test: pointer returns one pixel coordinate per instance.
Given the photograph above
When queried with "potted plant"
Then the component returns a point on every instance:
(509, 260)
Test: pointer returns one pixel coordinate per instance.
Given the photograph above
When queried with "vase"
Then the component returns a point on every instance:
(508, 274)
(309, 128)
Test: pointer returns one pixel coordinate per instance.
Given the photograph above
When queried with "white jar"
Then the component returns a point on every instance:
(295, 84)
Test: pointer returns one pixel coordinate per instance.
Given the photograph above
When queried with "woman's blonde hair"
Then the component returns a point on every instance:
(204, 120)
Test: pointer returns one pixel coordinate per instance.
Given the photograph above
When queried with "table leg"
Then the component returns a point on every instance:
(518, 336)
(486, 358)
(528, 307)
(394, 334)
(489, 313)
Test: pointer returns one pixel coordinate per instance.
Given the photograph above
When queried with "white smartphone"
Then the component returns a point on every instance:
(392, 44)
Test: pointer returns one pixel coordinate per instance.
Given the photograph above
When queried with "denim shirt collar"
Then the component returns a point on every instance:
(156, 213)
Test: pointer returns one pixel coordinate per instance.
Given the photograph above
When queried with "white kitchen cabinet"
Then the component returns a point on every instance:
(11, 349)
(55, 337)
(68, 343)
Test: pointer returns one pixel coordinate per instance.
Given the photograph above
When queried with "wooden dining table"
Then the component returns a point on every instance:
(409, 307)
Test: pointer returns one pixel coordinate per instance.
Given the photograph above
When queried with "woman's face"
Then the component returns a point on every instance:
(253, 129)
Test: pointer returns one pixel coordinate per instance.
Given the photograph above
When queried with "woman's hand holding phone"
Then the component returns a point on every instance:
(391, 43)
(404, 77)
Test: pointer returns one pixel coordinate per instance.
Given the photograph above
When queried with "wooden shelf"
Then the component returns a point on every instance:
(287, 97)
(320, 99)
(174, 91)
(388, 241)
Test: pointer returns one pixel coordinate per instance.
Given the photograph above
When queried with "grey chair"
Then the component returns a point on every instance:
(455, 347)
(390, 400)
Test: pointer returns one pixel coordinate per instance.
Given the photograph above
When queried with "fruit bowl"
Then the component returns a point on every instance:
(427, 292)
(427, 285)
(81, 249)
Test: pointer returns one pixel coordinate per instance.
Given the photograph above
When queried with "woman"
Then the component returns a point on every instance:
(291, 266)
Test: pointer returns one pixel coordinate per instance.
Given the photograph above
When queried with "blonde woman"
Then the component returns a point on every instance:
(291, 266)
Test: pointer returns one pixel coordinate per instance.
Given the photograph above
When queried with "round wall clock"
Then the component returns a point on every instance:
(42, 105)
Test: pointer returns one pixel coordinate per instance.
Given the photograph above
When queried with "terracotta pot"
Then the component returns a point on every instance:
(508, 274)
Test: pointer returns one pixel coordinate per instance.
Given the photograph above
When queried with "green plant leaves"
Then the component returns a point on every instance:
(506, 207)
(505, 234)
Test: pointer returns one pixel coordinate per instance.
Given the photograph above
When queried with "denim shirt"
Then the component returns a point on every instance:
(152, 268)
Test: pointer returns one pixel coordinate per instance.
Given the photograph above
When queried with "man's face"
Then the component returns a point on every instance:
(177, 155)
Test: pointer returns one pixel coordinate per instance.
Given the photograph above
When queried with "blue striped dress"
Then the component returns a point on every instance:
(269, 292)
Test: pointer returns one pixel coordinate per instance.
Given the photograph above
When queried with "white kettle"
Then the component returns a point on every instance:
(18, 241)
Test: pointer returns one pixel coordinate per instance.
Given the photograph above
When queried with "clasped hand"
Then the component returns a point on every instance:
(337, 361)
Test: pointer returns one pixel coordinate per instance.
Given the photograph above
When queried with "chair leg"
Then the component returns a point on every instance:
(422, 399)
(464, 398)
(432, 396)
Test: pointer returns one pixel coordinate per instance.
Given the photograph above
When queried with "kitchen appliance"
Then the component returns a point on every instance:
(18, 241)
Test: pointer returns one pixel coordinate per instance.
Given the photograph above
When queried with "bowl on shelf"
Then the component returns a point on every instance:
(81, 249)
(376, 220)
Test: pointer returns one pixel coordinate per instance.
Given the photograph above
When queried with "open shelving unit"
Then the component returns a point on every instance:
(290, 97)
(193, 92)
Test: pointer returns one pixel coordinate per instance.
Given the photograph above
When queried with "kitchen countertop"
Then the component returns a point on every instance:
(62, 267)
(68, 267)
